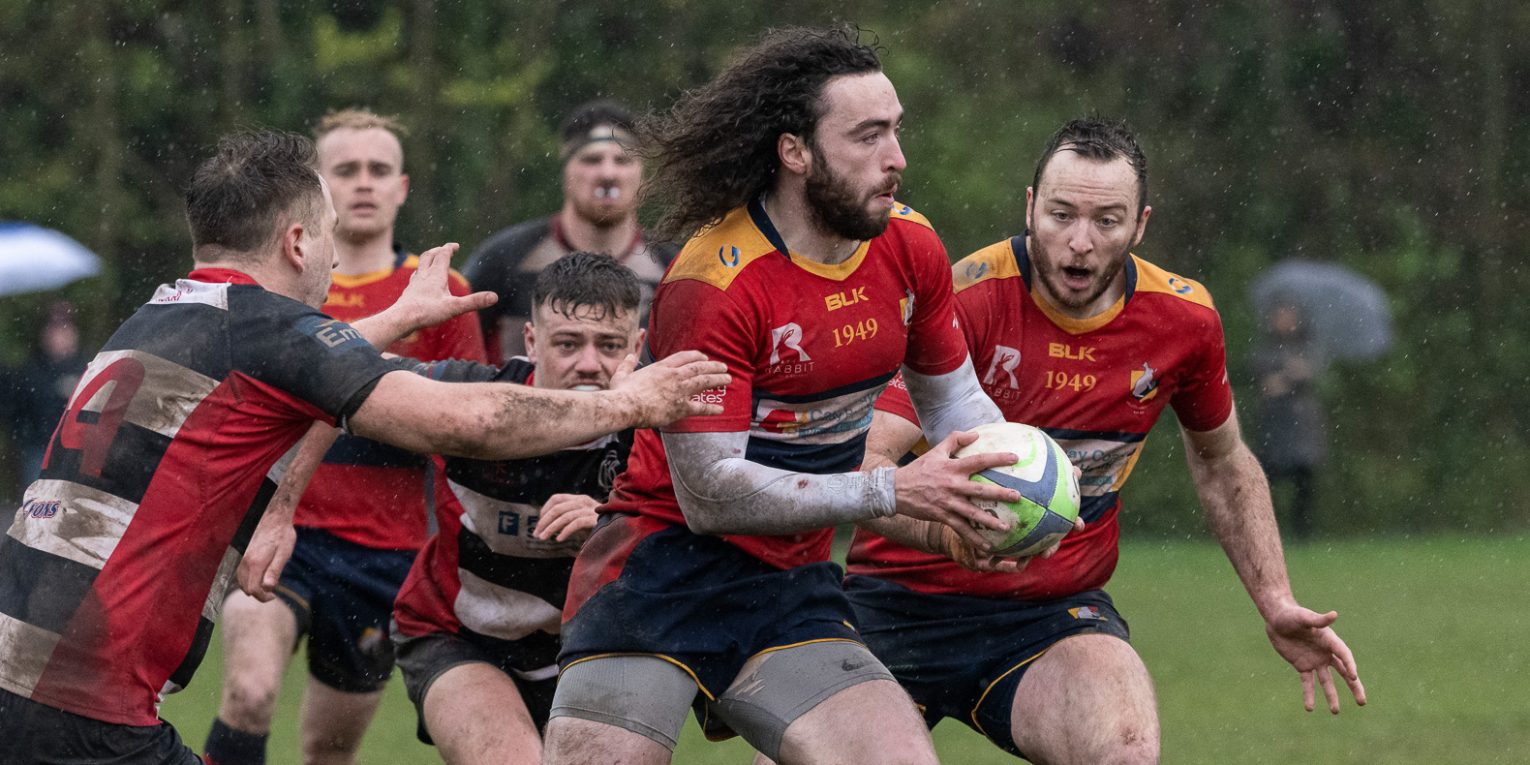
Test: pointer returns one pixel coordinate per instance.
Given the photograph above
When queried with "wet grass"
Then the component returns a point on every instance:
(1437, 625)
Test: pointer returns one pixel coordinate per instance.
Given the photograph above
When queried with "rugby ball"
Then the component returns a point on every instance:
(1044, 477)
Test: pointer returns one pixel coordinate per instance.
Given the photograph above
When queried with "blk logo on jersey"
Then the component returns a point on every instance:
(846, 298)
(1144, 383)
(1065, 351)
(786, 344)
(1005, 359)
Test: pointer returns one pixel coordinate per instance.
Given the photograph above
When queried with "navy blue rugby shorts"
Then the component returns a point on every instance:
(962, 657)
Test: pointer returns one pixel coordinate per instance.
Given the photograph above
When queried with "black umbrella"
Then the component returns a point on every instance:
(1346, 313)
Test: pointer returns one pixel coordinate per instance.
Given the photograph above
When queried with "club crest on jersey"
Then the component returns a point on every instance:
(610, 465)
(1092, 613)
(1005, 359)
(786, 344)
(906, 307)
(1144, 383)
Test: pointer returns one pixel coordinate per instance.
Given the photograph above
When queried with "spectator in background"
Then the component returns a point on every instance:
(40, 387)
(601, 173)
(1291, 441)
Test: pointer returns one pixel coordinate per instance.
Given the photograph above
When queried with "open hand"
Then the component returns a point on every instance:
(676, 386)
(1306, 639)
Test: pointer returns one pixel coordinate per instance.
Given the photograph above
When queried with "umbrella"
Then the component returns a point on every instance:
(1347, 313)
(33, 258)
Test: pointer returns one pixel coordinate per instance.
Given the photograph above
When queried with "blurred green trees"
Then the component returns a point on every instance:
(1388, 135)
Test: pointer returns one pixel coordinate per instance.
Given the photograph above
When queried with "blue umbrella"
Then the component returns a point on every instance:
(1347, 313)
(33, 259)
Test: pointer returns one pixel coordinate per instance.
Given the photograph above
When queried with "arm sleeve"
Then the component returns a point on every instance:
(309, 356)
(1204, 399)
(949, 402)
(935, 343)
(724, 494)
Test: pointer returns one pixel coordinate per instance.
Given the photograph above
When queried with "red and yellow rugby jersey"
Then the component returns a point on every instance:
(809, 347)
(113, 570)
(1095, 385)
(367, 492)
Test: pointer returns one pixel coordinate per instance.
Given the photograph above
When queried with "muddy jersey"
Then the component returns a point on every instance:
(809, 347)
(484, 571)
(1095, 385)
(114, 568)
(365, 492)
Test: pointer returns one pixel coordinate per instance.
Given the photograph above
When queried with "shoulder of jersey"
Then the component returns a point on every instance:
(902, 212)
(996, 261)
(1154, 280)
(717, 255)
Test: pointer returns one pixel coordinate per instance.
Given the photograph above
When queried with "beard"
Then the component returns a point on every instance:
(1052, 273)
(838, 208)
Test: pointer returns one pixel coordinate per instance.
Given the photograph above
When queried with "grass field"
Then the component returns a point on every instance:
(1438, 626)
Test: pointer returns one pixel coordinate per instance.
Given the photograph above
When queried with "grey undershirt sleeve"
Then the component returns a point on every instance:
(721, 492)
(950, 402)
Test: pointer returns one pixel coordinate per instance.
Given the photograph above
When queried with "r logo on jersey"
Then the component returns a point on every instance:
(1144, 384)
(1005, 359)
(788, 335)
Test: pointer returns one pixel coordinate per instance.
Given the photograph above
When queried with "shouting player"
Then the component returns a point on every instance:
(1074, 334)
(708, 580)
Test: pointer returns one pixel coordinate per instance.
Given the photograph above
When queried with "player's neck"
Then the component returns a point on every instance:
(584, 234)
(804, 236)
(365, 257)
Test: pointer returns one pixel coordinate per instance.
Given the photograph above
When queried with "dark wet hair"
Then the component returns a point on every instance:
(1100, 140)
(716, 148)
(587, 279)
(236, 198)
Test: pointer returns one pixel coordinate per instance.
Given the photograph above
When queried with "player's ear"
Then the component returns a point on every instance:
(292, 243)
(793, 151)
(1142, 224)
(529, 338)
(642, 337)
(403, 182)
(1030, 208)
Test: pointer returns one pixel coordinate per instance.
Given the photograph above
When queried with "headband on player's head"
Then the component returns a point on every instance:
(597, 134)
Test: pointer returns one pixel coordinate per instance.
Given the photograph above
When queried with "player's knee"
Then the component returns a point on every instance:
(329, 749)
(249, 701)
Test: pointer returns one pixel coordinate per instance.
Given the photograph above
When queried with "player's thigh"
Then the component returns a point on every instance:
(334, 721)
(1088, 699)
(258, 640)
(623, 708)
(476, 716)
(873, 722)
(828, 701)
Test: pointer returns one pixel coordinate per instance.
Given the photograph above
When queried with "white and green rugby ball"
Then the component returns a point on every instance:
(1043, 476)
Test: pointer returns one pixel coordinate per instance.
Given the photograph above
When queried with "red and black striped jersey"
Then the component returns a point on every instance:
(1095, 385)
(809, 347)
(484, 571)
(114, 568)
(366, 492)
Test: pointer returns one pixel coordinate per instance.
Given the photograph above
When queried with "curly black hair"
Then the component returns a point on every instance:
(716, 148)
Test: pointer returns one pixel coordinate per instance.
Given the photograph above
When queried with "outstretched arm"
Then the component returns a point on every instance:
(1236, 497)
(505, 421)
